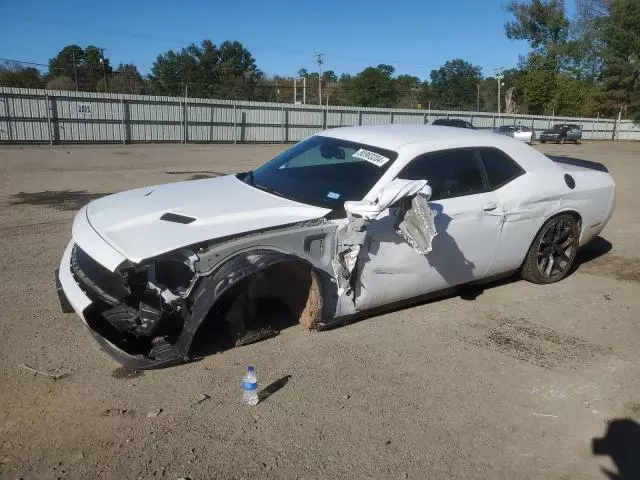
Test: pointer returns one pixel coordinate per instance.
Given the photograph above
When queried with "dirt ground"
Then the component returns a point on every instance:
(513, 381)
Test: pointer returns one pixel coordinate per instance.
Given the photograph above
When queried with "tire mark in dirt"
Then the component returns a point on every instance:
(37, 224)
(613, 266)
(541, 346)
(63, 200)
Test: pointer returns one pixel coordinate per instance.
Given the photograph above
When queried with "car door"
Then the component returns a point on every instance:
(467, 232)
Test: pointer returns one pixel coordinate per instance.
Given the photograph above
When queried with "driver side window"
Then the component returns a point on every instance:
(450, 173)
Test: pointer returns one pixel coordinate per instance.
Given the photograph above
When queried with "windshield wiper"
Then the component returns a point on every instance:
(270, 190)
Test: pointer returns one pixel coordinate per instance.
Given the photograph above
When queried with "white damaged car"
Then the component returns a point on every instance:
(348, 220)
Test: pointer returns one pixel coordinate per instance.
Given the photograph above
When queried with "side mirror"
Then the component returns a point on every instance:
(390, 194)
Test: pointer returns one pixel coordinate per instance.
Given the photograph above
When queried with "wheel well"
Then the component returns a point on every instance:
(291, 285)
(573, 213)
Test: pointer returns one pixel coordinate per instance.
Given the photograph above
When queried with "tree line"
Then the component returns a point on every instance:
(586, 66)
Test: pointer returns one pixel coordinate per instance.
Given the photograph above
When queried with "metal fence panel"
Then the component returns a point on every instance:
(32, 115)
(342, 118)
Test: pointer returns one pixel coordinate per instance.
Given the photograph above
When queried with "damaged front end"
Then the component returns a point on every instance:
(146, 315)
(138, 309)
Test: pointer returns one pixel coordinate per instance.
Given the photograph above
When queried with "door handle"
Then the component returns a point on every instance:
(489, 206)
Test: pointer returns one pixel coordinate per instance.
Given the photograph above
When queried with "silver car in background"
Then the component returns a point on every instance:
(519, 132)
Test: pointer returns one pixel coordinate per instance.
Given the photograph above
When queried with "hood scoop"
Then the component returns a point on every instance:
(175, 218)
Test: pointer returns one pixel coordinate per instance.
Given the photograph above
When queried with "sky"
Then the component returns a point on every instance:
(414, 36)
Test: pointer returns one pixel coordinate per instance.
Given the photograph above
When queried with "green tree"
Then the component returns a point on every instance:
(15, 75)
(409, 91)
(127, 79)
(621, 59)
(373, 87)
(588, 33)
(454, 85)
(544, 24)
(204, 70)
(87, 66)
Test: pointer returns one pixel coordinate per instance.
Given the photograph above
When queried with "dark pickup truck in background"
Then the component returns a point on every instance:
(561, 133)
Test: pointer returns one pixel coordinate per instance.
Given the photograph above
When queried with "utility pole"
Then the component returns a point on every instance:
(478, 98)
(104, 70)
(499, 79)
(75, 68)
(319, 61)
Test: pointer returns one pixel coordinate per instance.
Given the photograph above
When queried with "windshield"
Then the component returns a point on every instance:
(557, 128)
(323, 171)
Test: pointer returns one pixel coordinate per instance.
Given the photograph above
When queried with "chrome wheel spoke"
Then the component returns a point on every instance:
(567, 242)
(542, 264)
(550, 264)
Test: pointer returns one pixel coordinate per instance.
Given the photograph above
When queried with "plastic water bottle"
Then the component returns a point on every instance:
(250, 387)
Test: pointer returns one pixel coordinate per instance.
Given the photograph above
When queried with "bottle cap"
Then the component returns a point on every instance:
(250, 368)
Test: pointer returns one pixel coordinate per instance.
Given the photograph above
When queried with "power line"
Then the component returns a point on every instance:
(125, 33)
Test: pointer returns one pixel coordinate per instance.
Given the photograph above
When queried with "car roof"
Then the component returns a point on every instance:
(392, 137)
(412, 140)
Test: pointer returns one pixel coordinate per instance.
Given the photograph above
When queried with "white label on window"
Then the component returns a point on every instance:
(333, 195)
(371, 157)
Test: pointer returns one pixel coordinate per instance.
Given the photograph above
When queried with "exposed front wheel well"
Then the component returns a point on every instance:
(263, 303)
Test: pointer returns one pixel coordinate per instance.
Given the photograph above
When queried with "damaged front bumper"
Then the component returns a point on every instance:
(88, 305)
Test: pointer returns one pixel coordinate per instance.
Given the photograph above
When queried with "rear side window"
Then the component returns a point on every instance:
(500, 168)
(450, 173)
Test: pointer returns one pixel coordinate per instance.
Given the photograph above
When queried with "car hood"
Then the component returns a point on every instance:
(200, 210)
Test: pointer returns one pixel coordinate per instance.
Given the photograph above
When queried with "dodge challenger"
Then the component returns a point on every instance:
(346, 221)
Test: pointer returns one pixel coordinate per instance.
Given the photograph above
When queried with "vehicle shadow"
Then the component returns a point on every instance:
(454, 267)
(592, 250)
(622, 443)
(577, 162)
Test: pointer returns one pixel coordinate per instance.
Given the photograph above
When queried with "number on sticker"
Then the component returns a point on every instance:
(371, 157)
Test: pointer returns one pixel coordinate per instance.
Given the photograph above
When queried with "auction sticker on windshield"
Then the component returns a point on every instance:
(371, 157)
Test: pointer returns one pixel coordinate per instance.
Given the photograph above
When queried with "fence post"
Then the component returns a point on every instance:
(359, 117)
(55, 122)
(235, 123)
(284, 125)
(471, 119)
(185, 113)
(123, 133)
(597, 125)
(48, 105)
(8, 114)
(324, 118)
(391, 118)
(424, 120)
(494, 122)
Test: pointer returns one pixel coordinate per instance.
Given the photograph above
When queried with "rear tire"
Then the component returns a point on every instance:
(553, 251)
